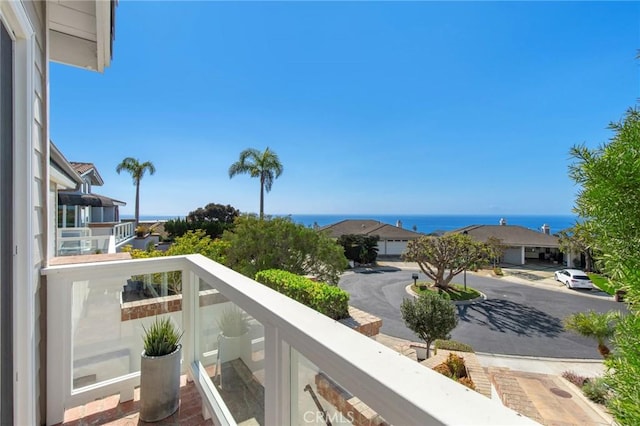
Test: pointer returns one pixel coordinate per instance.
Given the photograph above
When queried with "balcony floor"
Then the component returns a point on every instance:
(110, 411)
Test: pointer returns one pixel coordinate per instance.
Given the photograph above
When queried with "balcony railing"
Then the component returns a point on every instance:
(295, 366)
(123, 231)
(75, 241)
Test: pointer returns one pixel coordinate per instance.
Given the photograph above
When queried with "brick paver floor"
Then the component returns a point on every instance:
(110, 411)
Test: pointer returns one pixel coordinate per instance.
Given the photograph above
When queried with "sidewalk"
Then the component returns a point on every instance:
(533, 386)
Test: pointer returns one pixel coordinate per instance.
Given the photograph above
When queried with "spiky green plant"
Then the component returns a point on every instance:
(161, 338)
(233, 322)
(595, 325)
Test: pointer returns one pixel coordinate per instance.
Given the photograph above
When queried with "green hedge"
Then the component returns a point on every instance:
(324, 298)
(452, 345)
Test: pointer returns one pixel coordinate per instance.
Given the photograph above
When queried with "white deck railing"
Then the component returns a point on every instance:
(94, 344)
(123, 231)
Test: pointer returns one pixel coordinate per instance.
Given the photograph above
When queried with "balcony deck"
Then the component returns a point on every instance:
(110, 411)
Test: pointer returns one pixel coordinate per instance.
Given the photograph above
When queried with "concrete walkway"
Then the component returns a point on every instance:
(533, 386)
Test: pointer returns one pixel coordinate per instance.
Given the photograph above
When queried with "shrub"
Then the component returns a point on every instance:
(324, 298)
(467, 382)
(452, 345)
(443, 369)
(456, 365)
(574, 378)
(596, 390)
(498, 270)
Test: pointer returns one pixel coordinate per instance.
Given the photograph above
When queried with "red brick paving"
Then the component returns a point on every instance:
(110, 411)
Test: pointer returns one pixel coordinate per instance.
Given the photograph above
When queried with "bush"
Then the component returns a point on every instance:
(498, 271)
(596, 390)
(324, 298)
(456, 365)
(574, 378)
(467, 382)
(452, 345)
(443, 369)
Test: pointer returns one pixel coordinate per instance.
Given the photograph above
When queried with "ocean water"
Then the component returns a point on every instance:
(426, 223)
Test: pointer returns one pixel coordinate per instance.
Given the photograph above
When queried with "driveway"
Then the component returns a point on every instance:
(515, 319)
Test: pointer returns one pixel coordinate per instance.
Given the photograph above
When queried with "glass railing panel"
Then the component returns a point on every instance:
(232, 353)
(318, 399)
(107, 320)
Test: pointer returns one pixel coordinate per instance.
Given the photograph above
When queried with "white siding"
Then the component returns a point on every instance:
(39, 168)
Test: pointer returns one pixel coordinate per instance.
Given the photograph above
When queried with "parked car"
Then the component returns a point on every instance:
(574, 278)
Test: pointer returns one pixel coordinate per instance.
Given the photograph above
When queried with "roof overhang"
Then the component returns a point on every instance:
(81, 199)
(61, 171)
(81, 32)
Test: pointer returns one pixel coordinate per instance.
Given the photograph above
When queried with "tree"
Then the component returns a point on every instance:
(609, 202)
(213, 212)
(137, 171)
(214, 219)
(360, 248)
(431, 316)
(576, 240)
(264, 165)
(494, 250)
(277, 243)
(594, 325)
(442, 258)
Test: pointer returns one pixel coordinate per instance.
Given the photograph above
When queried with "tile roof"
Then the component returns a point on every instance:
(511, 235)
(84, 169)
(369, 227)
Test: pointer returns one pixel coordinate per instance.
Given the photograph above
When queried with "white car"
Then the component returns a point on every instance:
(574, 278)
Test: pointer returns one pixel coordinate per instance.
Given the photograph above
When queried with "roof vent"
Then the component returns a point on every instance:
(503, 221)
(545, 229)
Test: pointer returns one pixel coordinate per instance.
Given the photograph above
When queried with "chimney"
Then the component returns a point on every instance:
(399, 224)
(503, 221)
(545, 229)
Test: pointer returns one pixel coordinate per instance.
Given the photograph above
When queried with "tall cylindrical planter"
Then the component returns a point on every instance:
(159, 385)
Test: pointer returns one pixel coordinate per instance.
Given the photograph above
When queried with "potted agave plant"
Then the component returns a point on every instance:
(234, 341)
(160, 371)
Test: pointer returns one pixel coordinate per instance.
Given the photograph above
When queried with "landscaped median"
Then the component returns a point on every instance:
(457, 293)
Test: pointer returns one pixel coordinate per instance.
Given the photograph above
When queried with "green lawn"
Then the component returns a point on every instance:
(456, 293)
(602, 283)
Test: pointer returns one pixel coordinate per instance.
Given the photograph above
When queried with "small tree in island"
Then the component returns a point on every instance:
(431, 316)
(442, 258)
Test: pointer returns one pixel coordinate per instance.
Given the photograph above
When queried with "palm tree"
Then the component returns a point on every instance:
(265, 165)
(594, 325)
(137, 170)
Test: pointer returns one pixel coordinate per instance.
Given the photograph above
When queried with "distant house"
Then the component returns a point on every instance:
(81, 207)
(523, 245)
(393, 239)
(86, 222)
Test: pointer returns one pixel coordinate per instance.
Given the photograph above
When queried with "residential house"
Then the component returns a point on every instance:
(67, 338)
(393, 239)
(88, 222)
(522, 245)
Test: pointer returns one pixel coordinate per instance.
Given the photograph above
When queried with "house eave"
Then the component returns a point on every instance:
(81, 33)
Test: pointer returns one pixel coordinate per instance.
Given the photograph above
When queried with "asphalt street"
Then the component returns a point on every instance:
(515, 319)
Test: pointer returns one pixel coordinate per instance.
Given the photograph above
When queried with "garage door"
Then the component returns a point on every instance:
(395, 248)
(513, 255)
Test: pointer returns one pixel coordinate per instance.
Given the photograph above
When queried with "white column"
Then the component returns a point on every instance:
(522, 258)
(59, 357)
(277, 404)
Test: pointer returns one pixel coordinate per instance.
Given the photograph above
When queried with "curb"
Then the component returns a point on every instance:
(540, 358)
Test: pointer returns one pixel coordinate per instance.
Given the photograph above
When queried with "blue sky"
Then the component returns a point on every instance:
(373, 107)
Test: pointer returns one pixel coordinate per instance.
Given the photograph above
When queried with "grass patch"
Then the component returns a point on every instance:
(456, 291)
(602, 283)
